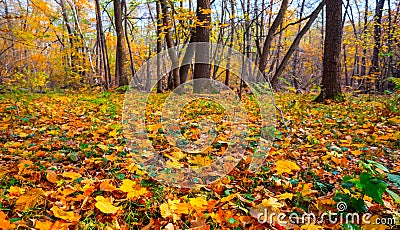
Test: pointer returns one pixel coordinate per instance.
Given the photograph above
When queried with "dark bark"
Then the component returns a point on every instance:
(170, 44)
(202, 34)
(374, 71)
(160, 83)
(330, 88)
(120, 65)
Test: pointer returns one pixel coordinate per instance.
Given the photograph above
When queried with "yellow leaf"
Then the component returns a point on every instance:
(113, 133)
(283, 166)
(134, 190)
(72, 175)
(69, 216)
(15, 191)
(43, 225)
(105, 206)
(198, 202)
(272, 202)
(285, 195)
(228, 198)
(311, 226)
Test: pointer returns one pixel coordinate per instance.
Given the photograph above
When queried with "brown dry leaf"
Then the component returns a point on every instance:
(69, 216)
(28, 200)
(51, 176)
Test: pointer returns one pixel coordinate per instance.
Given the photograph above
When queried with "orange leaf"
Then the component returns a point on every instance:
(69, 216)
(51, 176)
(28, 200)
(43, 225)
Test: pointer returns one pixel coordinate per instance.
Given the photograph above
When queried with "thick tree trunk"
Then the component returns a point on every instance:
(202, 55)
(120, 65)
(332, 48)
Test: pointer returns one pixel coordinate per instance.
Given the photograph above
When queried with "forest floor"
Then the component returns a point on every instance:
(64, 165)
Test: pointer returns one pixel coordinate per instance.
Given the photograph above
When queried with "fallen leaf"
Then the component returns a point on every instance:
(105, 206)
(69, 216)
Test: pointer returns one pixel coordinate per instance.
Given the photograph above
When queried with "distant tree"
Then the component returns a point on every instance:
(330, 88)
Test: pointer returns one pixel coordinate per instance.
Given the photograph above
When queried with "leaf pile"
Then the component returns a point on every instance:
(63, 165)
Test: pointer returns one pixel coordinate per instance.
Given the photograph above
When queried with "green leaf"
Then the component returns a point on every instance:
(231, 220)
(373, 187)
(349, 226)
(394, 195)
(358, 204)
(394, 178)
(378, 165)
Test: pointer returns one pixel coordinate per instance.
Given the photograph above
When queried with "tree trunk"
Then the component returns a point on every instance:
(170, 44)
(202, 34)
(268, 40)
(374, 71)
(120, 62)
(102, 47)
(296, 42)
(332, 48)
(160, 83)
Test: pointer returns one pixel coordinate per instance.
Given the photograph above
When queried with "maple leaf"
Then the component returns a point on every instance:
(69, 216)
(134, 190)
(287, 166)
(105, 206)
(28, 200)
(198, 203)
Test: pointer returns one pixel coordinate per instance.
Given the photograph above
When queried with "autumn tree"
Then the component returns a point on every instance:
(330, 88)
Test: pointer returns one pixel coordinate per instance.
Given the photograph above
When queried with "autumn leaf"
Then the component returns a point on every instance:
(28, 200)
(45, 225)
(69, 216)
(198, 203)
(287, 166)
(106, 186)
(51, 176)
(5, 222)
(311, 226)
(105, 206)
(134, 190)
(285, 195)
